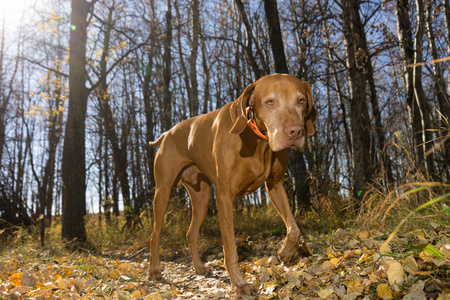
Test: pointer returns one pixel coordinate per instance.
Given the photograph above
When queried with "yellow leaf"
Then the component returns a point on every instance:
(67, 273)
(334, 261)
(136, 294)
(114, 274)
(154, 296)
(61, 283)
(129, 286)
(15, 279)
(248, 269)
(384, 292)
(354, 287)
(125, 267)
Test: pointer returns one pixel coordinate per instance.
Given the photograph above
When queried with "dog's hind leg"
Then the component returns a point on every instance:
(167, 170)
(199, 193)
(160, 203)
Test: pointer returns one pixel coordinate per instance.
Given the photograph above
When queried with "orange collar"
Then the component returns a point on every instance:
(252, 124)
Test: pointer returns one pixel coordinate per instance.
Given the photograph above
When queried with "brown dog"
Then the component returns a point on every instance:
(237, 148)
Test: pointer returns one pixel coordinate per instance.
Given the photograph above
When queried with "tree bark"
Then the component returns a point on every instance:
(354, 36)
(166, 115)
(420, 97)
(74, 151)
(5, 95)
(276, 39)
(412, 77)
(439, 89)
(193, 102)
(147, 95)
(119, 151)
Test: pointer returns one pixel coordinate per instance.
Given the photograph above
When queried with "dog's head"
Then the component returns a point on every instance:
(283, 110)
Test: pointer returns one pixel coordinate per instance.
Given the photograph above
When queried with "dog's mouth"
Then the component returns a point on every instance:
(280, 143)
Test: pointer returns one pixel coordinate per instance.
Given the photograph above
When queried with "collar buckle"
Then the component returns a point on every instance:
(252, 124)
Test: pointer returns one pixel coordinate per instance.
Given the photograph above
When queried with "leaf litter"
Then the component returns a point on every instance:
(344, 265)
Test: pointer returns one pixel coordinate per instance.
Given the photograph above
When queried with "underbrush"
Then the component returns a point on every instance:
(416, 206)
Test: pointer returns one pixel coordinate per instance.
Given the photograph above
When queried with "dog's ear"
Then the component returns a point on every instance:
(311, 114)
(238, 109)
(310, 120)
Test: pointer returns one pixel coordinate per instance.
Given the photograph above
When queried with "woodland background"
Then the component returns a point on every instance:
(85, 85)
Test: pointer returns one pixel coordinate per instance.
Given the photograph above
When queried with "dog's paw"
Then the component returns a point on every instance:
(244, 290)
(286, 253)
(201, 269)
(155, 275)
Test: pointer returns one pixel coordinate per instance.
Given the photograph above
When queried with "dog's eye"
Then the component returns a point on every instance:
(301, 101)
(270, 102)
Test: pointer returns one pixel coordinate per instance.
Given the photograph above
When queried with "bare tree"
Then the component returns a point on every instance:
(74, 161)
(354, 39)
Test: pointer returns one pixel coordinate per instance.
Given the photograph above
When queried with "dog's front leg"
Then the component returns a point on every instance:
(280, 200)
(225, 205)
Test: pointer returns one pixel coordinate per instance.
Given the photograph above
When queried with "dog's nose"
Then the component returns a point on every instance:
(294, 130)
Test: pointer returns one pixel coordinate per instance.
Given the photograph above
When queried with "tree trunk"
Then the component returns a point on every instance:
(440, 90)
(166, 115)
(447, 25)
(407, 50)
(420, 97)
(354, 37)
(119, 152)
(74, 151)
(193, 103)
(4, 95)
(147, 102)
(207, 93)
(276, 39)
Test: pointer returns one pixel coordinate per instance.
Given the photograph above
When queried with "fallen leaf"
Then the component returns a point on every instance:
(114, 274)
(373, 278)
(352, 296)
(154, 296)
(354, 286)
(396, 275)
(384, 291)
(136, 294)
(418, 286)
(15, 279)
(327, 265)
(324, 293)
(66, 273)
(411, 265)
(29, 279)
(353, 243)
(364, 235)
(125, 267)
(385, 248)
(334, 261)
(445, 250)
(61, 283)
(415, 296)
(273, 260)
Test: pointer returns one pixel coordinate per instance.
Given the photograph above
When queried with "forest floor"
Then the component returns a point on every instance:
(345, 263)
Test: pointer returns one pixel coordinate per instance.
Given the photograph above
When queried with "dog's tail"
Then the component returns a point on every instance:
(158, 141)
